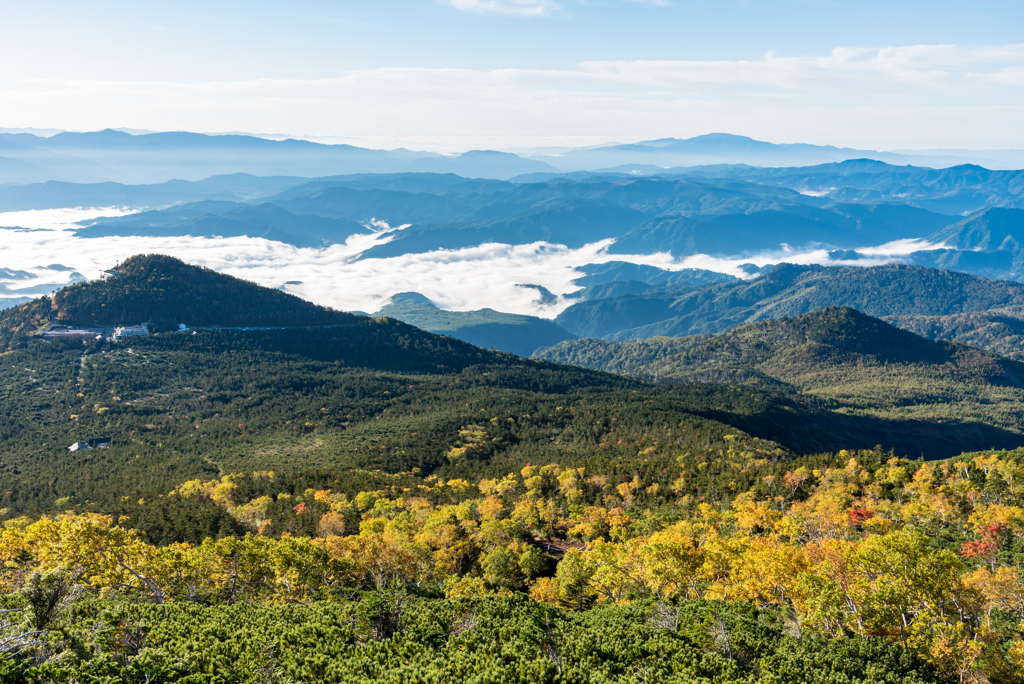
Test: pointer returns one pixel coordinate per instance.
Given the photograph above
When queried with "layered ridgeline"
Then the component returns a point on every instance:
(213, 218)
(109, 155)
(894, 291)
(686, 213)
(487, 328)
(988, 243)
(937, 394)
(953, 191)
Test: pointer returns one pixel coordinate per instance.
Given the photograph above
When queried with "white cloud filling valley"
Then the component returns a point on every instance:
(40, 253)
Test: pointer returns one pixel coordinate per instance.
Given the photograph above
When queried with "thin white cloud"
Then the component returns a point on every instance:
(892, 97)
(511, 8)
(919, 66)
(1011, 76)
(57, 219)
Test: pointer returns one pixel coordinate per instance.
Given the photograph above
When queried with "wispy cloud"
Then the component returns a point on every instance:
(512, 8)
(909, 96)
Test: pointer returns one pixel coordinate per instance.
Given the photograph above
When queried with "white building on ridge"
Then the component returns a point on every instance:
(130, 331)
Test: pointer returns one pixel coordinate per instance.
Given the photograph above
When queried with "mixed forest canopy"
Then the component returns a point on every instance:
(347, 499)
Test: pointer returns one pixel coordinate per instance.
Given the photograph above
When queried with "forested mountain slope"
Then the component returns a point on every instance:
(847, 361)
(165, 291)
(337, 392)
(999, 330)
(344, 391)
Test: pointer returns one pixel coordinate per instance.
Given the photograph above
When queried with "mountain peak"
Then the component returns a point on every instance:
(166, 291)
(489, 153)
(410, 298)
(706, 137)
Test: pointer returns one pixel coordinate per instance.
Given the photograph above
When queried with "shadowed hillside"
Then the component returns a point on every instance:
(843, 361)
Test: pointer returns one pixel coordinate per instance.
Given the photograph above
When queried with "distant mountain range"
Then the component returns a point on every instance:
(908, 295)
(954, 190)
(110, 155)
(229, 219)
(724, 148)
(158, 157)
(742, 218)
(703, 226)
(989, 243)
(613, 278)
(681, 216)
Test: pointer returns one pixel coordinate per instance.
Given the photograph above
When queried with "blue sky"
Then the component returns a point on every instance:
(457, 74)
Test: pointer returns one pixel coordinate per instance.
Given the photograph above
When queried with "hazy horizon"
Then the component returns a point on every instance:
(452, 75)
(497, 144)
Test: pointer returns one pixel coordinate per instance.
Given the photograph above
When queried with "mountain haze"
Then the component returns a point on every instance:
(486, 328)
(724, 148)
(789, 290)
(229, 219)
(157, 157)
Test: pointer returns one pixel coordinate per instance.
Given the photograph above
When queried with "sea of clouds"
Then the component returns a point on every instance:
(41, 253)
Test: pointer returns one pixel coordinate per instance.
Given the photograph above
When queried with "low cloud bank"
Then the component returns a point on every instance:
(42, 253)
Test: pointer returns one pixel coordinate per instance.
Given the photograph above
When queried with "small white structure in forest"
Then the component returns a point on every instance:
(96, 443)
(130, 331)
